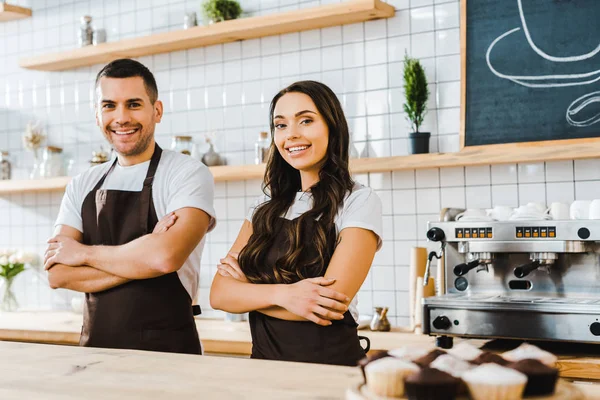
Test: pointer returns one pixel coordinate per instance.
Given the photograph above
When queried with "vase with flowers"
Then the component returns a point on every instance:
(32, 140)
(12, 263)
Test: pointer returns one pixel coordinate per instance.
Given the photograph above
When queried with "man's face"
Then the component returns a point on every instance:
(125, 114)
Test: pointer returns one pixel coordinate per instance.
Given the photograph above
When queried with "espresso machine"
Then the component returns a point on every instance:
(524, 279)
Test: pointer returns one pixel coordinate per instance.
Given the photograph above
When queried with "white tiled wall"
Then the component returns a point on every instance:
(226, 89)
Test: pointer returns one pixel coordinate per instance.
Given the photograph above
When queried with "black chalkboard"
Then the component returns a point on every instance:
(532, 70)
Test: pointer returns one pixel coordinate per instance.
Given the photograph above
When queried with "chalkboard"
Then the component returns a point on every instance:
(532, 70)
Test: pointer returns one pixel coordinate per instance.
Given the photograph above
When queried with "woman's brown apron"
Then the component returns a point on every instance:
(303, 341)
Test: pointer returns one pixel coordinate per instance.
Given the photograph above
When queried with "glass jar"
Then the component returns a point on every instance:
(5, 167)
(182, 144)
(52, 164)
(261, 148)
(86, 32)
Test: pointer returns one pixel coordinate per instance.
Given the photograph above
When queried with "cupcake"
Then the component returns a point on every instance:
(410, 353)
(385, 377)
(486, 357)
(541, 379)
(494, 382)
(372, 356)
(429, 358)
(526, 351)
(465, 351)
(431, 384)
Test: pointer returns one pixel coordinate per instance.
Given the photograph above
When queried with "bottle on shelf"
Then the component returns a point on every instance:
(5, 167)
(86, 32)
(261, 148)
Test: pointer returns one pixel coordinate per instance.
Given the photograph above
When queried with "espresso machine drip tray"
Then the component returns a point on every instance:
(498, 316)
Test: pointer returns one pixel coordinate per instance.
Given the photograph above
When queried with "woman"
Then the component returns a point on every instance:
(308, 243)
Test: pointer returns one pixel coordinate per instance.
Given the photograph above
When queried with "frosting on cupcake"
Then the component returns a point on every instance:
(409, 353)
(451, 365)
(390, 364)
(494, 382)
(494, 374)
(527, 350)
(465, 351)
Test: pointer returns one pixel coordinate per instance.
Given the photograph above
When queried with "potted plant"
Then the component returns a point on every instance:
(221, 10)
(416, 94)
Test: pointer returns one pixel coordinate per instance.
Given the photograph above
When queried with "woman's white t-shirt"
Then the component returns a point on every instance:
(361, 209)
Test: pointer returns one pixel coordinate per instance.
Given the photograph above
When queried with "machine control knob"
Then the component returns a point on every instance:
(435, 234)
(583, 233)
(595, 328)
(442, 322)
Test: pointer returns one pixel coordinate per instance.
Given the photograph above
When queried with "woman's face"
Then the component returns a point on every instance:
(301, 134)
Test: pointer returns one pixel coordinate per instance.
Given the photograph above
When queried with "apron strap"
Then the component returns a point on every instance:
(101, 181)
(146, 196)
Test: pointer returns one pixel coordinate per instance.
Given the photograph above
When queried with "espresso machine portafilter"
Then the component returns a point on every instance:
(536, 280)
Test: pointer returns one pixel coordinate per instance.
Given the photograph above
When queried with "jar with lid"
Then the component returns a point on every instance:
(52, 164)
(182, 144)
(86, 32)
(5, 167)
(261, 148)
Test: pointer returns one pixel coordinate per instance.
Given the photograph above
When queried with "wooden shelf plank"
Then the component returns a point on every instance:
(346, 12)
(469, 156)
(34, 185)
(11, 13)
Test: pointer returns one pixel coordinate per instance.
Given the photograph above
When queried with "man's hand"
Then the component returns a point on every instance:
(64, 250)
(165, 223)
(310, 299)
(230, 267)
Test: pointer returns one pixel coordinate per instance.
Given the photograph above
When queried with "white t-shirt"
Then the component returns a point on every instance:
(180, 181)
(361, 209)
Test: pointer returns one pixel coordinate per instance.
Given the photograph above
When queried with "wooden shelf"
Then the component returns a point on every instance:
(34, 185)
(347, 12)
(469, 156)
(12, 13)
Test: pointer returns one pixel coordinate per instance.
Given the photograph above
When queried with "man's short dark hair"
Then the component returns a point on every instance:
(128, 68)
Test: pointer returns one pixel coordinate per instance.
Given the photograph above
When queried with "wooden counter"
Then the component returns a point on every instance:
(33, 371)
(233, 338)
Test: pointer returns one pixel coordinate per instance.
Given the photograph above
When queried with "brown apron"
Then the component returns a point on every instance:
(147, 314)
(303, 341)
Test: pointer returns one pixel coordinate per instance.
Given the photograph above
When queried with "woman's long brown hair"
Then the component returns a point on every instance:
(282, 182)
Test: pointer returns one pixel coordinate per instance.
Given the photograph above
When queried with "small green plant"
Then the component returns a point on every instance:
(221, 10)
(416, 92)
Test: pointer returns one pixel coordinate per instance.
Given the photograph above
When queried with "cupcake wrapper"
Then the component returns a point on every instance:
(540, 385)
(481, 391)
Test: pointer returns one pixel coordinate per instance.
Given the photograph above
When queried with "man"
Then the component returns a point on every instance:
(139, 276)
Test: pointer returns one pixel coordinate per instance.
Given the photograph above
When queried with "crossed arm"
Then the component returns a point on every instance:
(318, 299)
(73, 265)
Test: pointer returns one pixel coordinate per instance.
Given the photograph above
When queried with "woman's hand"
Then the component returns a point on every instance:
(165, 223)
(229, 267)
(312, 300)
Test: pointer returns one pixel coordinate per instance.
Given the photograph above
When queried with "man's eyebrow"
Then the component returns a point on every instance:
(135, 100)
